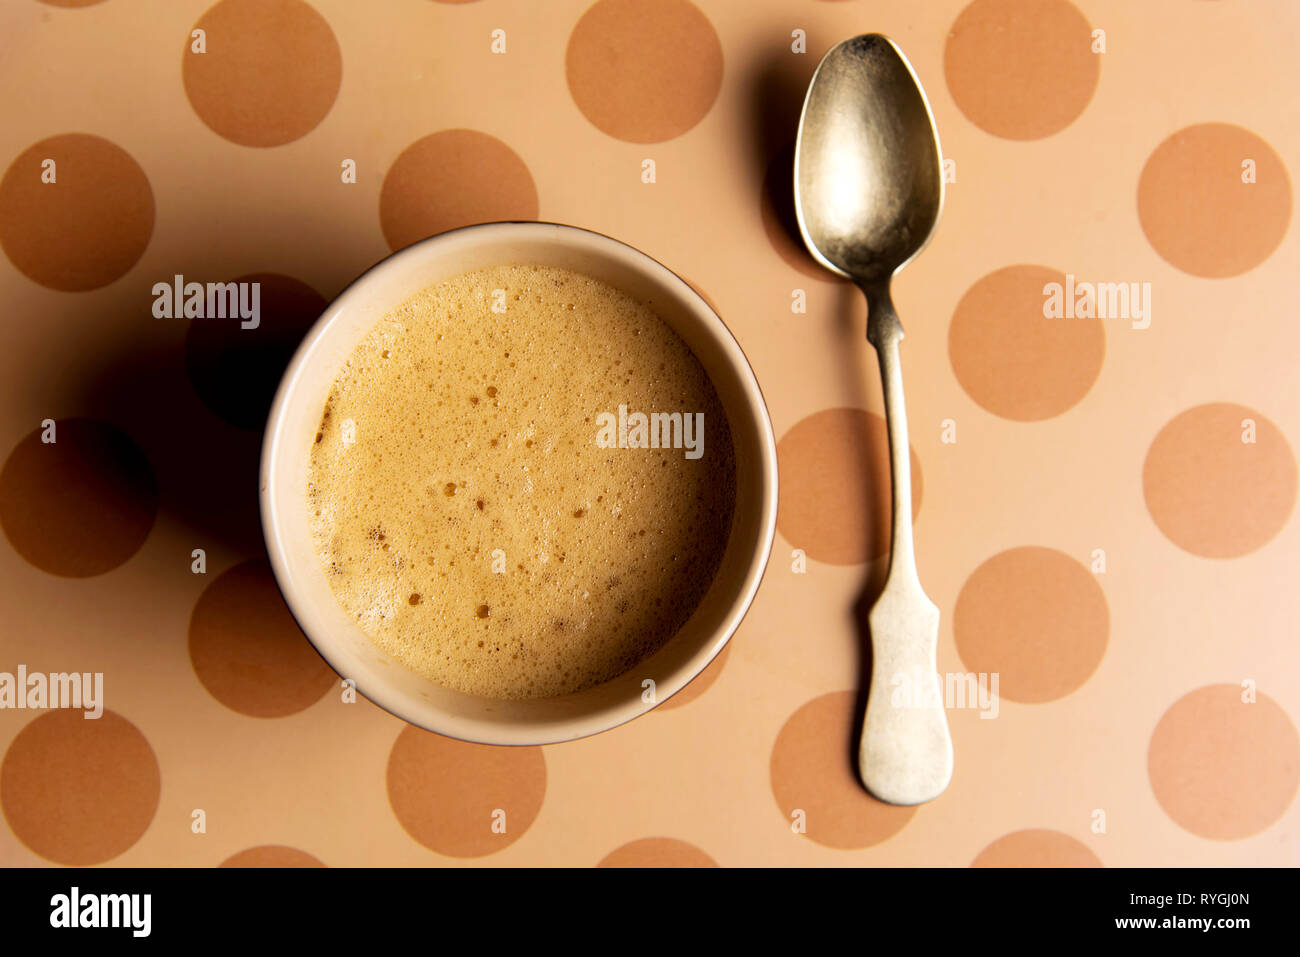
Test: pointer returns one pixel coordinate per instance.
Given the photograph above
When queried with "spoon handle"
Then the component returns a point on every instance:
(906, 752)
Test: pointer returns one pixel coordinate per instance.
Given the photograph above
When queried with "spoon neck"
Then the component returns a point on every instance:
(883, 326)
(885, 332)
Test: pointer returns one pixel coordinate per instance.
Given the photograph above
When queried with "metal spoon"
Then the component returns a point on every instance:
(868, 189)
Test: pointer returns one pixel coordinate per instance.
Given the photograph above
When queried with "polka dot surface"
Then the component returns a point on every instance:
(658, 852)
(1035, 617)
(1224, 762)
(247, 650)
(450, 179)
(1036, 848)
(834, 485)
(1013, 358)
(271, 855)
(1021, 71)
(814, 778)
(79, 791)
(1214, 200)
(77, 498)
(235, 363)
(461, 799)
(269, 71)
(1220, 480)
(76, 212)
(644, 71)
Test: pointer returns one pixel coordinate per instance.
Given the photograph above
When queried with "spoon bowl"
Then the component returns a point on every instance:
(868, 174)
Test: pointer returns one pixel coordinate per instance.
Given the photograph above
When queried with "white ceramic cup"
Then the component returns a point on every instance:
(295, 417)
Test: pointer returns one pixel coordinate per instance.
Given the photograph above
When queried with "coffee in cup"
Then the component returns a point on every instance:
(523, 482)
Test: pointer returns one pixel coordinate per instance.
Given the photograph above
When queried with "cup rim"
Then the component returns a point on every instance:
(556, 731)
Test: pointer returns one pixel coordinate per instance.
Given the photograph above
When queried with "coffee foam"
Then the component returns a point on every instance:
(474, 528)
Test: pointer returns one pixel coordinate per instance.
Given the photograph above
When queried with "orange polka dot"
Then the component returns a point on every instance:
(451, 179)
(1035, 617)
(79, 791)
(1198, 212)
(86, 228)
(658, 852)
(249, 652)
(1019, 70)
(234, 370)
(1013, 360)
(814, 772)
(271, 855)
(1036, 848)
(80, 505)
(834, 480)
(700, 683)
(1222, 768)
(270, 72)
(1214, 494)
(455, 797)
(780, 222)
(644, 71)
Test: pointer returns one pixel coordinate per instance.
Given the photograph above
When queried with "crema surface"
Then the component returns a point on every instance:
(469, 508)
